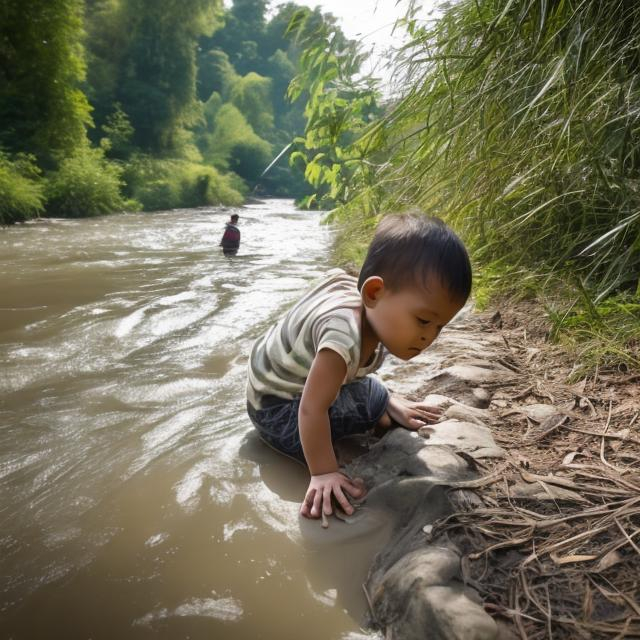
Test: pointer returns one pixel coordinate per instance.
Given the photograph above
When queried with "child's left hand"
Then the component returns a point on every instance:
(412, 415)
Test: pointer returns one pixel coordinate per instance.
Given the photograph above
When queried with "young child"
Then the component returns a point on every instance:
(308, 383)
(230, 242)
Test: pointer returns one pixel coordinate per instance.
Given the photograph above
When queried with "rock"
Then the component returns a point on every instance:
(457, 615)
(465, 500)
(463, 413)
(415, 581)
(453, 409)
(415, 584)
(443, 463)
(482, 398)
(422, 596)
(455, 345)
(477, 373)
(544, 492)
(402, 453)
(461, 382)
(539, 412)
(465, 436)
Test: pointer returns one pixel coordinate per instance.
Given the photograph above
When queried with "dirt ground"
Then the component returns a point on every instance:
(555, 547)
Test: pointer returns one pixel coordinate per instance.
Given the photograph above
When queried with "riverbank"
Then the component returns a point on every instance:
(517, 515)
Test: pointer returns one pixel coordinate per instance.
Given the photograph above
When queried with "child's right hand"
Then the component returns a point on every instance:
(322, 487)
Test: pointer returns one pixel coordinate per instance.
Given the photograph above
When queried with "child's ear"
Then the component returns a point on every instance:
(372, 290)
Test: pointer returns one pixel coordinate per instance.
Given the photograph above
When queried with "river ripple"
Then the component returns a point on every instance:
(134, 500)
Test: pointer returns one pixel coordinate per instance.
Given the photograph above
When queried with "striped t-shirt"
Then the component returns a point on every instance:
(322, 319)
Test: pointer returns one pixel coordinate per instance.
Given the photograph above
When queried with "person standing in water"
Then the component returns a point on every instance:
(230, 242)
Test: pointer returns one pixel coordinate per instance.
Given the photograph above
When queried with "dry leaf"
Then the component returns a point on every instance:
(609, 560)
(579, 388)
(568, 459)
(616, 444)
(587, 603)
(542, 491)
(549, 479)
(571, 558)
(546, 427)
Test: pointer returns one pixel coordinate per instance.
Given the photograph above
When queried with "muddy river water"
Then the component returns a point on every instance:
(135, 501)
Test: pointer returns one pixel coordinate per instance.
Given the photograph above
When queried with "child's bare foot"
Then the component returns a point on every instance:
(384, 422)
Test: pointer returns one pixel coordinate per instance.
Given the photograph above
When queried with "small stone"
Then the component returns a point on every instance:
(482, 396)
(428, 528)
(539, 412)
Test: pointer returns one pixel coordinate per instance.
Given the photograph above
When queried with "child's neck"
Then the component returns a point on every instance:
(368, 340)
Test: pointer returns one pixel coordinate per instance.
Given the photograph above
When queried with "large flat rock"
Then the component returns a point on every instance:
(470, 437)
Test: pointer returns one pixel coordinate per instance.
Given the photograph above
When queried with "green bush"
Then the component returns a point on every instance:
(249, 158)
(86, 184)
(21, 191)
(170, 184)
(234, 144)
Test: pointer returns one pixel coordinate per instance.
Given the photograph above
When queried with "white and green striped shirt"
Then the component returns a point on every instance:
(324, 318)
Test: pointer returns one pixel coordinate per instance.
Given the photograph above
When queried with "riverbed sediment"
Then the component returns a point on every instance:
(515, 515)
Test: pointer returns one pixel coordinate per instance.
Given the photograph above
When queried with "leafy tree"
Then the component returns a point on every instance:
(241, 35)
(252, 95)
(210, 110)
(156, 84)
(339, 108)
(235, 145)
(215, 73)
(107, 40)
(250, 14)
(42, 109)
(276, 34)
(170, 183)
(281, 71)
(85, 185)
(118, 131)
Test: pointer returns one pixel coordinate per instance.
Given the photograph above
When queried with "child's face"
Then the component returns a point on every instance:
(409, 320)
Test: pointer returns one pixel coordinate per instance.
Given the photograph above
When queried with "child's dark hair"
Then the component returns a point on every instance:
(234, 217)
(406, 249)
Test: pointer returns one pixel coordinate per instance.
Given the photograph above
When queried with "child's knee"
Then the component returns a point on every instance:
(384, 421)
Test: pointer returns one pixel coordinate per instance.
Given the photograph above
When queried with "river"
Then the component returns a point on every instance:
(135, 500)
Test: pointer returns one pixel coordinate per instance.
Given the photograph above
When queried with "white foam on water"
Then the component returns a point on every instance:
(225, 609)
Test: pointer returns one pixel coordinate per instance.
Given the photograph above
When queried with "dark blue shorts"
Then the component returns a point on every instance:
(357, 409)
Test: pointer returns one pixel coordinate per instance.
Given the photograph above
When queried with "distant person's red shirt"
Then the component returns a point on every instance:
(231, 238)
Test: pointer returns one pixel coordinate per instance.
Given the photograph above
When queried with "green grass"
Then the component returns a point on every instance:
(603, 335)
(518, 123)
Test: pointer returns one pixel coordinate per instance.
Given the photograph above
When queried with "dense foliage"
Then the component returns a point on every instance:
(21, 192)
(42, 109)
(84, 185)
(338, 109)
(518, 123)
(190, 95)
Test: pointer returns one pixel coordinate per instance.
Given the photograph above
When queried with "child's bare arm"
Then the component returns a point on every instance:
(323, 384)
(320, 390)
